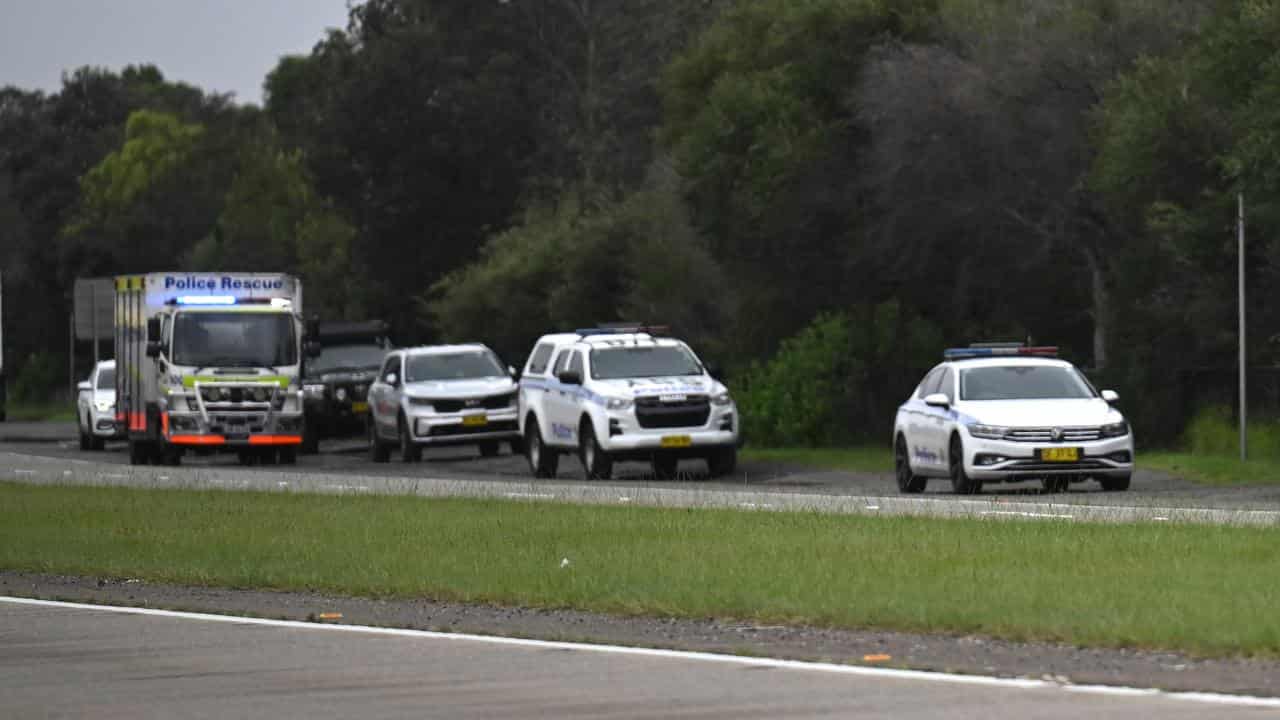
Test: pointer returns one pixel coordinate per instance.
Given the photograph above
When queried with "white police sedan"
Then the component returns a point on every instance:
(1010, 413)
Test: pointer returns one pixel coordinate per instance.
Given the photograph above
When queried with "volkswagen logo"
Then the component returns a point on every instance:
(1056, 434)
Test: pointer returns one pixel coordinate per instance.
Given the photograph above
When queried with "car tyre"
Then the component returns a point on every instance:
(288, 456)
(489, 448)
(722, 462)
(379, 452)
(1115, 484)
(908, 482)
(961, 483)
(595, 460)
(410, 451)
(86, 442)
(543, 461)
(310, 438)
(139, 452)
(666, 467)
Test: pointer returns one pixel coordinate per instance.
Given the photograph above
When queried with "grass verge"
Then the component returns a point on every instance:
(868, 458)
(53, 412)
(1213, 469)
(1201, 589)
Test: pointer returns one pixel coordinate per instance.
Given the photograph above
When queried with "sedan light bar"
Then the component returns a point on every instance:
(1000, 350)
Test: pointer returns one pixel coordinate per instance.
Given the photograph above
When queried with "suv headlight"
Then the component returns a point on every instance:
(988, 432)
(103, 405)
(313, 390)
(1119, 429)
(721, 399)
(619, 403)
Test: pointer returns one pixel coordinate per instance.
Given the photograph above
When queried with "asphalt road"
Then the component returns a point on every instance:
(61, 661)
(36, 452)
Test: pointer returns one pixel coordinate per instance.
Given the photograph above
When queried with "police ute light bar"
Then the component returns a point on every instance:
(1000, 350)
(205, 300)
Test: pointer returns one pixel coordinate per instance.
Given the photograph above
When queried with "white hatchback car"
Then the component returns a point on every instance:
(624, 393)
(1009, 413)
(96, 407)
(441, 395)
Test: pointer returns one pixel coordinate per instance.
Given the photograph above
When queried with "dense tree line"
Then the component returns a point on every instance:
(870, 178)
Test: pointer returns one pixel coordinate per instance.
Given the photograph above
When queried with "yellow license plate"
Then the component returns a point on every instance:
(1064, 454)
(475, 421)
(677, 441)
(359, 407)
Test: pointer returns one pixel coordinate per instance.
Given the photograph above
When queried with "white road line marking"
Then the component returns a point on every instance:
(873, 507)
(799, 665)
(24, 472)
(1028, 514)
(528, 495)
(114, 476)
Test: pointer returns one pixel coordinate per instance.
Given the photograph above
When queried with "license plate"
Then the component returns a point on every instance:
(677, 441)
(359, 407)
(1062, 454)
(475, 421)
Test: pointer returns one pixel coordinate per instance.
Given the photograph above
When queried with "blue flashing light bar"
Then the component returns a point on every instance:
(623, 330)
(206, 300)
(999, 351)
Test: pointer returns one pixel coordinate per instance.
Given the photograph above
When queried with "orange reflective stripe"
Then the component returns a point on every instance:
(275, 440)
(164, 423)
(198, 440)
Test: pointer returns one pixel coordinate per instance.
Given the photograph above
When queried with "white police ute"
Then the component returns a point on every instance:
(624, 393)
(1007, 413)
(441, 395)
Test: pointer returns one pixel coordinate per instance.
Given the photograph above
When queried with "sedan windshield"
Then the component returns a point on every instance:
(643, 362)
(347, 357)
(239, 339)
(107, 379)
(453, 366)
(1023, 382)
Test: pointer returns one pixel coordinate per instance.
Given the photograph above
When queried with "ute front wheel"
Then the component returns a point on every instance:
(597, 462)
(543, 461)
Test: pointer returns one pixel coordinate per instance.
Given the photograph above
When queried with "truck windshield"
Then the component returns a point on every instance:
(234, 339)
(453, 366)
(643, 362)
(347, 357)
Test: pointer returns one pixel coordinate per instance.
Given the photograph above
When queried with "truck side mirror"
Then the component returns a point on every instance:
(312, 349)
(313, 327)
(153, 330)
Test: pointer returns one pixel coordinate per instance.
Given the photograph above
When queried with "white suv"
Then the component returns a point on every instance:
(96, 407)
(1007, 413)
(441, 395)
(624, 394)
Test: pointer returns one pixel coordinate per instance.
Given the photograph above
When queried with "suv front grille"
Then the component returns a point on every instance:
(693, 411)
(1045, 435)
(492, 402)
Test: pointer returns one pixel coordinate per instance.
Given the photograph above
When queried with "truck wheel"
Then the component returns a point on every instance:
(722, 462)
(139, 453)
(1115, 484)
(379, 452)
(665, 467)
(543, 461)
(961, 483)
(595, 460)
(489, 448)
(288, 456)
(310, 439)
(410, 451)
(170, 455)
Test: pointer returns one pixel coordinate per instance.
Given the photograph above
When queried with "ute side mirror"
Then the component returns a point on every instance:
(153, 337)
(513, 372)
(570, 377)
(84, 385)
(1111, 396)
(938, 400)
(391, 378)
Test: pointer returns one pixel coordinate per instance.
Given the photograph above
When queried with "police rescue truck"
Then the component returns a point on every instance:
(209, 361)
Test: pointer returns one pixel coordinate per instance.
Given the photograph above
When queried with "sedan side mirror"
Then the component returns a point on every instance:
(570, 377)
(1110, 396)
(938, 400)
(84, 385)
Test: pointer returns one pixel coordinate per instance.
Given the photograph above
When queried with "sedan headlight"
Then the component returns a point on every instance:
(988, 432)
(721, 399)
(619, 403)
(1119, 429)
(314, 390)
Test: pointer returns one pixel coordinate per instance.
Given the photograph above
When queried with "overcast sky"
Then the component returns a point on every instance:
(218, 45)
